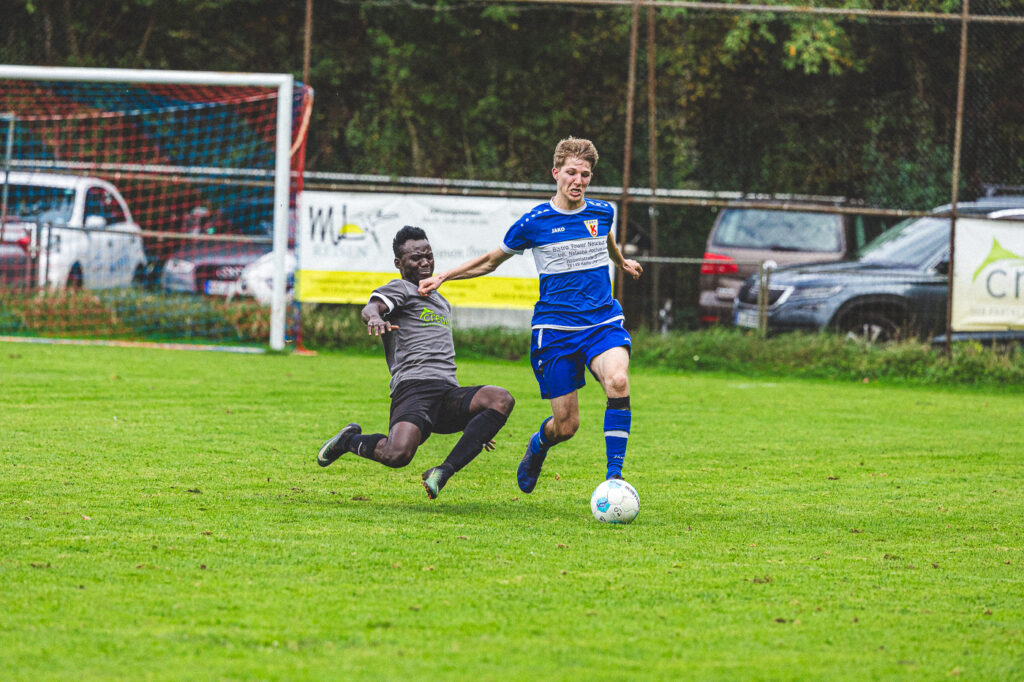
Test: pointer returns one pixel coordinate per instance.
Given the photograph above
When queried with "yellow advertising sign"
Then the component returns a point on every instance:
(511, 293)
(345, 245)
(338, 287)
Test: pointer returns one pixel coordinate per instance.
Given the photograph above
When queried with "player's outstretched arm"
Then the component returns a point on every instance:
(373, 317)
(627, 265)
(472, 268)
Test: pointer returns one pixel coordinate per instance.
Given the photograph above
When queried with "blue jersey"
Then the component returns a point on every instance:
(570, 249)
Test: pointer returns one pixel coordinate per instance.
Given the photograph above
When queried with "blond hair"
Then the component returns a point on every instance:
(575, 148)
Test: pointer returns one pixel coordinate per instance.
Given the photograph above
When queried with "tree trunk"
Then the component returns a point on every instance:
(140, 54)
(47, 32)
(414, 144)
(72, 38)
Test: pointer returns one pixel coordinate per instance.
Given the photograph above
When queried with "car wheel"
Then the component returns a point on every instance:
(140, 278)
(870, 326)
(75, 277)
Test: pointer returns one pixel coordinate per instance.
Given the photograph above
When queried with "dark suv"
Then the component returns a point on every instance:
(742, 238)
(896, 286)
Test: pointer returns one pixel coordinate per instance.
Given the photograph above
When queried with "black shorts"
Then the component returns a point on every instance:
(433, 406)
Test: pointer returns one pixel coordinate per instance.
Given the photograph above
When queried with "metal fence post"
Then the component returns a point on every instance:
(955, 189)
(763, 282)
(8, 149)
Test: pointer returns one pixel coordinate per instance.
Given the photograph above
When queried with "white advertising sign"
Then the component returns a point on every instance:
(988, 275)
(344, 245)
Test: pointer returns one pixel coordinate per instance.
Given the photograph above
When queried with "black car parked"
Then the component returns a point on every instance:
(896, 286)
(743, 237)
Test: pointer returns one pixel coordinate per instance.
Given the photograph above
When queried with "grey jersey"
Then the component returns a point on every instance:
(422, 346)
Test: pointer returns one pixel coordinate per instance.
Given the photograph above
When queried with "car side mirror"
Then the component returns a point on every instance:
(942, 267)
(95, 222)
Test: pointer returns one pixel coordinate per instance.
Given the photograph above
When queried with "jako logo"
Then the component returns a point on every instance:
(1006, 280)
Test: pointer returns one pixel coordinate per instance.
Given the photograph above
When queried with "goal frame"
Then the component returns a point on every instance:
(284, 83)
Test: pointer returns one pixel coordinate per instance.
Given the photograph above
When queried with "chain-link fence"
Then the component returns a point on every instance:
(898, 113)
(884, 113)
(858, 120)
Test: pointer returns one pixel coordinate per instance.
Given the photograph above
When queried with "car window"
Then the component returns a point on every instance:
(875, 225)
(94, 202)
(112, 209)
(40, 204)
(248, 217)
(912, 242)
(778, 230)
(866, 228)
(99, 201)
(256, 218)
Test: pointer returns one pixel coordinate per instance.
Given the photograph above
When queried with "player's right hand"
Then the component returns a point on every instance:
(379, 326)
(632, 268)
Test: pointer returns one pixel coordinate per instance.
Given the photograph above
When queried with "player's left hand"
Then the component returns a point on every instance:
(428, 285)
(633, 268)
(489, 445)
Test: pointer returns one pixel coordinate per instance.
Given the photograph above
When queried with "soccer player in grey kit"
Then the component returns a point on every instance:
(425, 395)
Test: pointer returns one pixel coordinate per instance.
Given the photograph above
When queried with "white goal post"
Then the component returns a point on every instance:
(284, 83)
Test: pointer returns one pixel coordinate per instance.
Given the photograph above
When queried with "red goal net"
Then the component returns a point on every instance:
(140, 210)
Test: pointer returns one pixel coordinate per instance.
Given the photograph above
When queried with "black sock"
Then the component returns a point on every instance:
(364, 444)
(480, 429)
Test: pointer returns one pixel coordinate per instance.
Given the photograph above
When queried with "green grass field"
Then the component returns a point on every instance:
(163, 517)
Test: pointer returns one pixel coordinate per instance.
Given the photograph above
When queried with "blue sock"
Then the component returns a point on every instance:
(616, 435)
(538, 442)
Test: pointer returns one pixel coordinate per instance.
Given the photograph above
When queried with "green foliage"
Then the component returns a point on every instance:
(131, 314)
(753, 102)
(722, 349)
(339, 327)
(817, 42)
(746, 32)
(898, 171)
(335, 327)
(831, 356)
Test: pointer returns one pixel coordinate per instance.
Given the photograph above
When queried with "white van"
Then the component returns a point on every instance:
(77, 230)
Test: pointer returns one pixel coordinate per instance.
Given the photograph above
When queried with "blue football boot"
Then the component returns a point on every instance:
(529, 469)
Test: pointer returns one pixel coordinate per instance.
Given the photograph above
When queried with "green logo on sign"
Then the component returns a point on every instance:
(997, 253)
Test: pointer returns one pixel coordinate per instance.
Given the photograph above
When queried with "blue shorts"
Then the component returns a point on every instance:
(559, 357)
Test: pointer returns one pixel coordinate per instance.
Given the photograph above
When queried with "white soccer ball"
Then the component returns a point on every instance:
(615, 501)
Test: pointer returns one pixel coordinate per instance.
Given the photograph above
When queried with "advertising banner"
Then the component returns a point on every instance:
(344, 245)
(988, 275)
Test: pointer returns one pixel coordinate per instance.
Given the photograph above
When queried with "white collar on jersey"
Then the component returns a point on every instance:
(551, 203)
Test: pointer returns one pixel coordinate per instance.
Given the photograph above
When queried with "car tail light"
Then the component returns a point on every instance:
(24, 243)
(719, 265)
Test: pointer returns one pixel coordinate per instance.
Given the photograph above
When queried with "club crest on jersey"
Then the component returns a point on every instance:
(591, 227)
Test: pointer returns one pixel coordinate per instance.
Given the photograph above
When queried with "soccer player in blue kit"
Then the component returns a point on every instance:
(577, 324)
